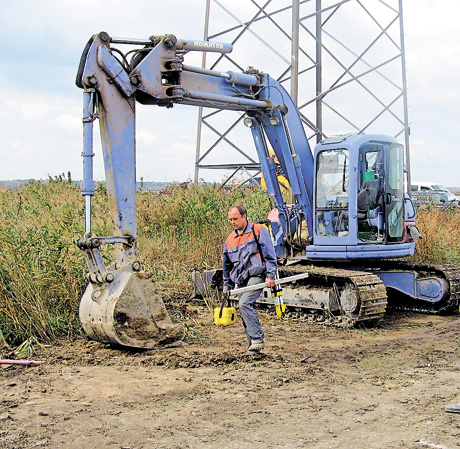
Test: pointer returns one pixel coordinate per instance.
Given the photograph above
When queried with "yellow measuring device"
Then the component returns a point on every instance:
(277, 295)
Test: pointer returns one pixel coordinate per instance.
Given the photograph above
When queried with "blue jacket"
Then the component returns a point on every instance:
(241, 257)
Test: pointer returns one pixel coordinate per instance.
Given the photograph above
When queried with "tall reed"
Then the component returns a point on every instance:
(42, 272)
(440, 242)
(184, 230)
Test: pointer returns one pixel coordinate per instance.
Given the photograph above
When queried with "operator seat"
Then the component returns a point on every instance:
(369, 207)
(369, 195)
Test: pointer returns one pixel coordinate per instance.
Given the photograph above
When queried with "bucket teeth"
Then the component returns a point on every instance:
(128, 312)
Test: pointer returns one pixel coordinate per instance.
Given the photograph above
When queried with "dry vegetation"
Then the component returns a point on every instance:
(42, 271)
(439, 228)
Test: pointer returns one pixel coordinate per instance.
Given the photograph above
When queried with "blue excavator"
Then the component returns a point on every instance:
(349, 220)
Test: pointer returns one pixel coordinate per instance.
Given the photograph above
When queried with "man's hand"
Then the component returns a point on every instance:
(225, 293)
(270, 282)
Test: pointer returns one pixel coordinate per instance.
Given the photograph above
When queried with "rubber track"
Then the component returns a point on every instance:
(371, 290)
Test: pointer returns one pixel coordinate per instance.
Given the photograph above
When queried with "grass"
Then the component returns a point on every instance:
(369, 363)
(42, 272)
(184, 231)
(439, 228)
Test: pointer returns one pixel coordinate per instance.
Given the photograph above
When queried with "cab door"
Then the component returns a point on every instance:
(394, 193)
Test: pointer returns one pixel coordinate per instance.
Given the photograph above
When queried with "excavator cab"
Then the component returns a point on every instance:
(360, 200)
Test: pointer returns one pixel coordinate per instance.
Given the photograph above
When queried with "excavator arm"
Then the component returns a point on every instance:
(118, 306)
(121, 306)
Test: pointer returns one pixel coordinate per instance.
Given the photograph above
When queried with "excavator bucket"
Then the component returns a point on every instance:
(128, 312)
(118, 306)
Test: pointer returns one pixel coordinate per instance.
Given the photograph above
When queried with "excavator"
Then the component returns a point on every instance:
(349, 218)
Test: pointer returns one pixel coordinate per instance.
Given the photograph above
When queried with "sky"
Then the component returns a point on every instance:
(41, 108)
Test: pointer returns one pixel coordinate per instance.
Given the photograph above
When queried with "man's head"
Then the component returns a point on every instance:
(237, 216)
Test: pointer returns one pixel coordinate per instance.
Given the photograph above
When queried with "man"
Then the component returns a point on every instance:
(248, 259)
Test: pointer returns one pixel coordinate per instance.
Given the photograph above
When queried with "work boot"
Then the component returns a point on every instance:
(453, 408)
(256, 347)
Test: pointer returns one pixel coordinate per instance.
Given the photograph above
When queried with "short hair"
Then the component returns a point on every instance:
(241, 209)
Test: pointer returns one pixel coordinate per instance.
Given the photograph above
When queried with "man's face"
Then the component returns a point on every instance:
(237, 220)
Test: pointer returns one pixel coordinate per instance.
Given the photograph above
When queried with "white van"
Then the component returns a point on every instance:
(426, 192)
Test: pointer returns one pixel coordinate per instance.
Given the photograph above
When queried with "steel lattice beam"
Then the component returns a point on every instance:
(303, 38)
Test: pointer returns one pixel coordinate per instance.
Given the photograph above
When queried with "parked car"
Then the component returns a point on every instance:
(430, 192)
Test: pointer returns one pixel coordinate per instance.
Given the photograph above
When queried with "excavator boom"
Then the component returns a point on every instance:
(117, 305)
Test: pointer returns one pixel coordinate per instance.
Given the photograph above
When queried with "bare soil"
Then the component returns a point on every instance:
(316, 387)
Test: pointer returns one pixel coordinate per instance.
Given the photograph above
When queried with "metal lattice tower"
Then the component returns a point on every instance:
(342, 61)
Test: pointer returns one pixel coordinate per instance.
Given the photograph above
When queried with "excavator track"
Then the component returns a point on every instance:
(451, 273)
(357, 297)
(354, 295)
(330, 296)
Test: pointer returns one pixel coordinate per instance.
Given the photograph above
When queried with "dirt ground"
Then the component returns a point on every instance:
(316, 387)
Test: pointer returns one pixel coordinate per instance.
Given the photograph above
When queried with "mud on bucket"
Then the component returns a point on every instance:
(128, 312)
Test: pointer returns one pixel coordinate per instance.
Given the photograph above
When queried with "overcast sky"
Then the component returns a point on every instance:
(40, 106)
